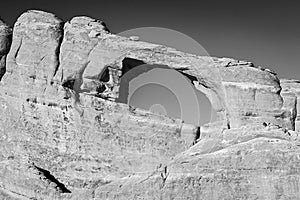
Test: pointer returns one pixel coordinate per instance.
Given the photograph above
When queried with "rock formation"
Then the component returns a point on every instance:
(64, 136)
(292, 88)
(5, 42)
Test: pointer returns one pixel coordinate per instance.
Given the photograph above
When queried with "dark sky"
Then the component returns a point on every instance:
(264, 32)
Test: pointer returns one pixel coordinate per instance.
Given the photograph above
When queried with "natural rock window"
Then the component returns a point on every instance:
(90, 146)
(163, 90)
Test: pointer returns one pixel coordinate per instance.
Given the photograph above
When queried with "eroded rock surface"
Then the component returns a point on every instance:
(291, 88)
(64, 136)
(5, 42)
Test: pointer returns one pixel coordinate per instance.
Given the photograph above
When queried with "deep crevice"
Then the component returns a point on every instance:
(197, 135)
(74, 85)
(17, 51)
(51, 178)
(101, 88)
(69, 84)
(164, 175)
(228, 125)
(57, 50)
(104, 77)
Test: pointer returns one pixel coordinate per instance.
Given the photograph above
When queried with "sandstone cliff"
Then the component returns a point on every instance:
(64, 136)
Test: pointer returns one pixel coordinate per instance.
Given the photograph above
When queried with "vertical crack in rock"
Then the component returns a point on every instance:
(228, 124)
(48, 176)
(291, 95)
(296, 110)
(58, 48)
(17, 50)
(197, 135)
(164, 175)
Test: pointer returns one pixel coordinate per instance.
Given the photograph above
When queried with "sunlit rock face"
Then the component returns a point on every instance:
(50, 127)
(240, 92)
(63, 135)
(291, 88)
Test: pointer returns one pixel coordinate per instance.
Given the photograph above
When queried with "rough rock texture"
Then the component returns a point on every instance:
(239, 92)
(291, 88)
(5, 42)
(63, 135)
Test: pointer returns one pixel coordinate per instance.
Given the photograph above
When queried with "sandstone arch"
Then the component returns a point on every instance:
(239, 92)
(179, 87)
(220, 79)
(113, 145)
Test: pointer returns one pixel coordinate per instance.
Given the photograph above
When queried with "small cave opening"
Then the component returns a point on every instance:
(69, 83)
(104, 76)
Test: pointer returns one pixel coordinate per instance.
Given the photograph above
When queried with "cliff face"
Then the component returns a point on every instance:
(291, 88)
(64, 136)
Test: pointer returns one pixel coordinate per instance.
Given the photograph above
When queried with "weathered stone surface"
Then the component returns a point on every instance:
(108, 142)
(261, 168)
(240, 92)
(81, 36)
(63, 136)
(34, 55)
(5, 42)
(291, 88)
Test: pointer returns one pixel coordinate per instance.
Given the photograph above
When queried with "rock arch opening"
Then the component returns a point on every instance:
(163, 90)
